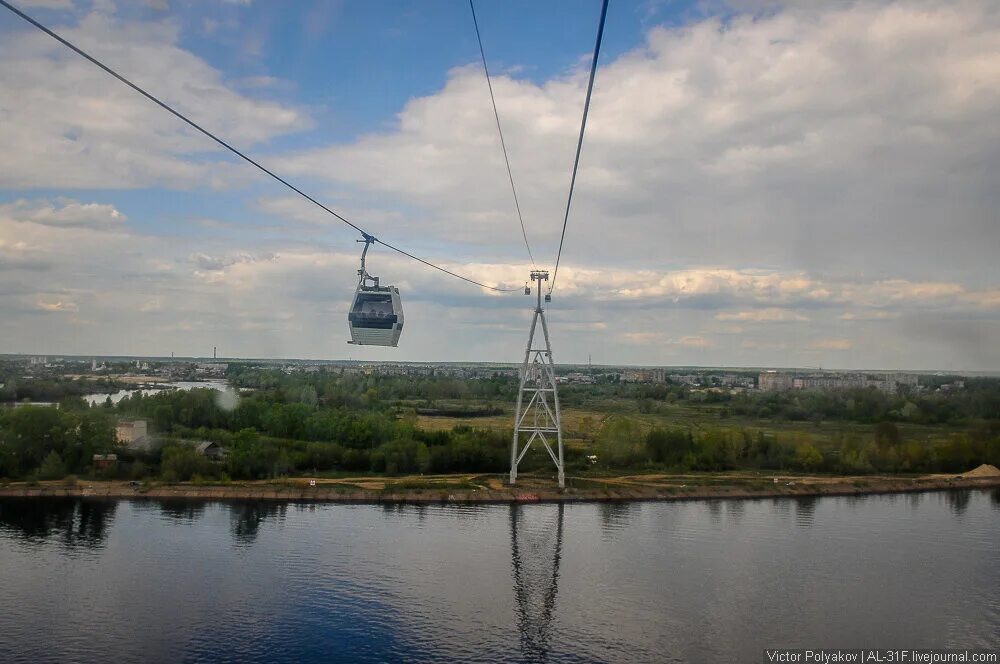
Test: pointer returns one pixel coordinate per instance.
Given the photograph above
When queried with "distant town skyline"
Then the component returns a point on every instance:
(763, 184)
(656, 372)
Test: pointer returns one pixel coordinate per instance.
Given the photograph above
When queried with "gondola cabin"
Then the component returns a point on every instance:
(376, 316)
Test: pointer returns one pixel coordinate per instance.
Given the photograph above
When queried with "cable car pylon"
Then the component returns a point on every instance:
(538, 417)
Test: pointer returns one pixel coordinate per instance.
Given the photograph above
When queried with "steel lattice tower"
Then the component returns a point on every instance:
(538, 419)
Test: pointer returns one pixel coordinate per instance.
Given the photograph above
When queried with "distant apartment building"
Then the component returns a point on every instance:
(214, 369)
(644, 376)
(133, 433)
(576, 377)
(888, 383)
(773, 381)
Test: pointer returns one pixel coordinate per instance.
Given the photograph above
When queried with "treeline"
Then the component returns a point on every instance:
(622, 445)
(349, 389)
(978, 400)
(49, 443)
(52, 389)
(327, 423)
(304, 428)
(250, 455)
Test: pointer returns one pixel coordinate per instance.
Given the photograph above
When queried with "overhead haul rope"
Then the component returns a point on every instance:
(579, 143)
(239, 154)
(503, 144)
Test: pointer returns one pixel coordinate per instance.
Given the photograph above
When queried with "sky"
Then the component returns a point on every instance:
(806, 184)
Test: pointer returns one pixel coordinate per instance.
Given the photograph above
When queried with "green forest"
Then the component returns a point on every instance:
(327, 424)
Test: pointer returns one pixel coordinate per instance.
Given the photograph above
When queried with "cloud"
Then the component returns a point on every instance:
(57, 305)
(65, 213)
(695, 341)
(663, 339)
(186, 294)
(831, 344)
(770, 315)
(67, 124)
(826, 138)
(210, 264)
(828, 166)
(870, 315)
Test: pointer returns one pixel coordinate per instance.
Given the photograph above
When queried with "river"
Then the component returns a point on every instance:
(699, 581)
(99, 398)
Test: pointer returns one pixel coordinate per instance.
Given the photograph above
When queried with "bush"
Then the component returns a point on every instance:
(181, 463)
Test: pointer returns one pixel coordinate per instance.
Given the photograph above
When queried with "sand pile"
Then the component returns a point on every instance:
(985, 470)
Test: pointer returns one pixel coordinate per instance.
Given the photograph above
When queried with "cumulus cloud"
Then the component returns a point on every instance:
(769, 315)
(870, 315)
(801, 186)
(64, 212)
(57, 305)
(833, 137)
(163, 294)
(68, 124)
(206, 263)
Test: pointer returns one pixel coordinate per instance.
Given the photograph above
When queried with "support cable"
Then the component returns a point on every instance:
(239, 154)
(579, 143)
(503, 144)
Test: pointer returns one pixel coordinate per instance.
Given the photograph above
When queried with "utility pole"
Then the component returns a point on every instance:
(538, 418)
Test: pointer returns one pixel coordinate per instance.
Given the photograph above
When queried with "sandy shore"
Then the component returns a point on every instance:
(489, 489)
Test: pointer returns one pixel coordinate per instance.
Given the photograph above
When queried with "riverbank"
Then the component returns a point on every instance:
(491, 489)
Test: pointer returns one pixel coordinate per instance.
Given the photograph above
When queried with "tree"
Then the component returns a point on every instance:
(181, 462)
(668, 446)
(52, 467)
(163, 418)
(808, 457)
(308, 396)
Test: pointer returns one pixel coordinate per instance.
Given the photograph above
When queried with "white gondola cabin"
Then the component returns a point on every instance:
(376, 315)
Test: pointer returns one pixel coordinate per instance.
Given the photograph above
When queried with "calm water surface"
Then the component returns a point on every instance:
(96, 581)
(99, 398)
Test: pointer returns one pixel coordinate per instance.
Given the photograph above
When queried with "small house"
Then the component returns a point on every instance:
(103, 461)
(210, 450)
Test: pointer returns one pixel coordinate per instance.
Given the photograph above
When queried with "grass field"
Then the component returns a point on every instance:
(582, 425)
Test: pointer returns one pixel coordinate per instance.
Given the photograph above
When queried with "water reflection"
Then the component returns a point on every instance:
(404, 511)
(958, 500)
(245, 519)
(187, 511)
(72, 522)
(615, 516)
(735, 509)
(714, 510)
(805, 507)
(781, 507)
(535, 549)
(371, 584)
